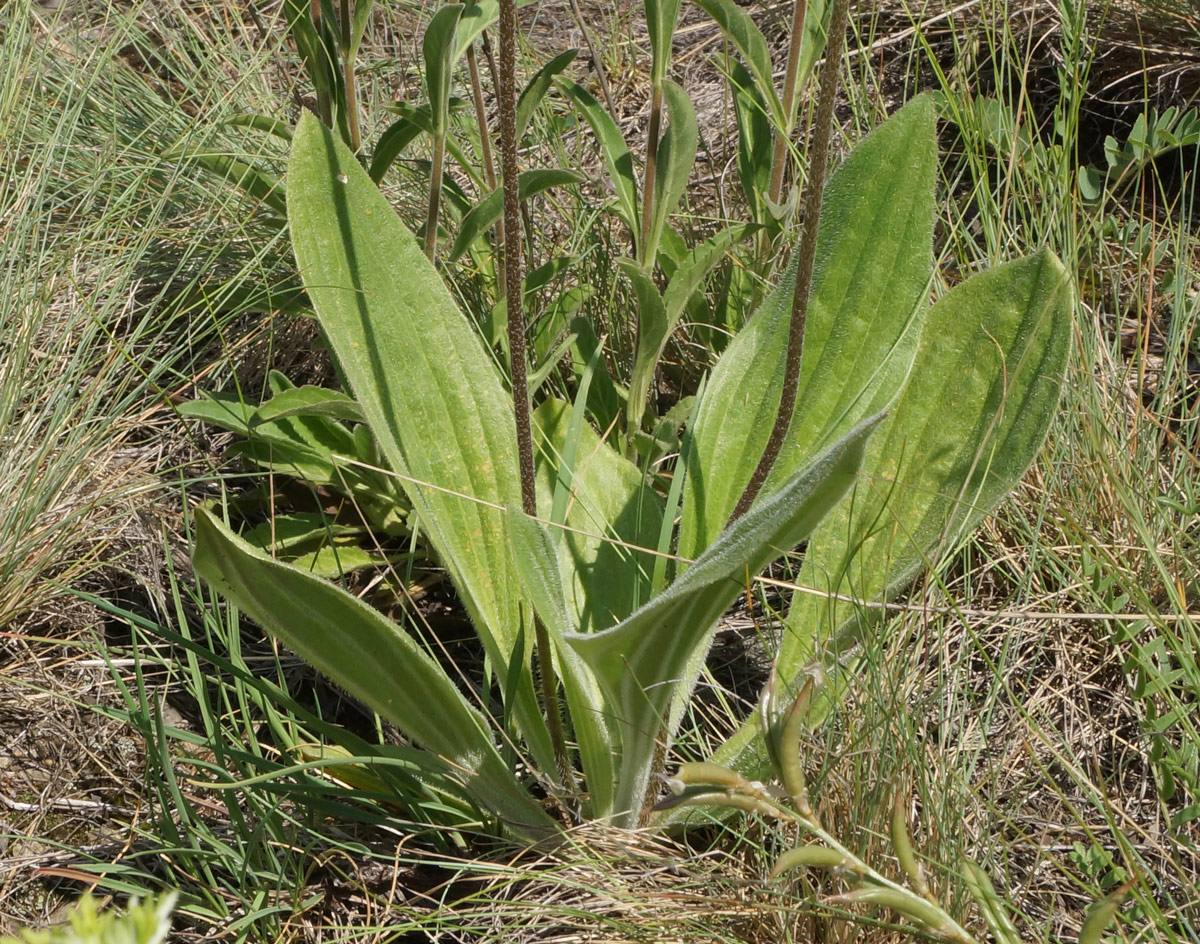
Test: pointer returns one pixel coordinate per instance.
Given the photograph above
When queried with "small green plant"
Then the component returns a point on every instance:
(145, 922)
(304, 432)
(624, 614)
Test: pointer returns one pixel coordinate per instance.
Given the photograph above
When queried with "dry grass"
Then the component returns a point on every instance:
(1021, 731)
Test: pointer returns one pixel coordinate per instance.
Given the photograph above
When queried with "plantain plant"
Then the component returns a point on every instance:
(910, 422)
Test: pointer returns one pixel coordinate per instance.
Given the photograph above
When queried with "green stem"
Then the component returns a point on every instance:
(648, 178)
(783, 135)
(349, 81)
(435, 195)
(807, 250)
(514, 266)
(324, 105)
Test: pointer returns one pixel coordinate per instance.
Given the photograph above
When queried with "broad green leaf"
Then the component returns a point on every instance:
(537, 88)
(751, 45)
(538, 567)
(660, 22)
(868, 298)
(373, 659)
(606, 498)
(676, 155)
(486, 212)
(641, 664)
(430, 392)
(437, 46)
(985, 386)
(618, 161)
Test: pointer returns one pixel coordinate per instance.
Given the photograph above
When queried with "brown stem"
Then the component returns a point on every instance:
(807, 250)
(514, 264)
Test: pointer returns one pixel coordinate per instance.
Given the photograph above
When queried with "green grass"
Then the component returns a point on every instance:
(1039, 699)
(117, 269)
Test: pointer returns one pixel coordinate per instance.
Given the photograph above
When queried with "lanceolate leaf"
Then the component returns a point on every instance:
(488, 210)
(608, 498)
(538, 566)
(252, 181)
(477, 17)
(372, 658)
(676, 155)
(362, 14)
(659, 314)
(751, 45)
(438, 49)
(398, 136)
(272, 126)
(308, 401)
(430, 392)
(984, 388)
(641, 664)
(868, 297)
(652, 332)
(660, 21)
(618, 160)
(812, 46)
(536, 90)
(754, 140)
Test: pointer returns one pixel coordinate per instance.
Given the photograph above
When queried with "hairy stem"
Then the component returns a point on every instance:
(514, 266)
(814, 191)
